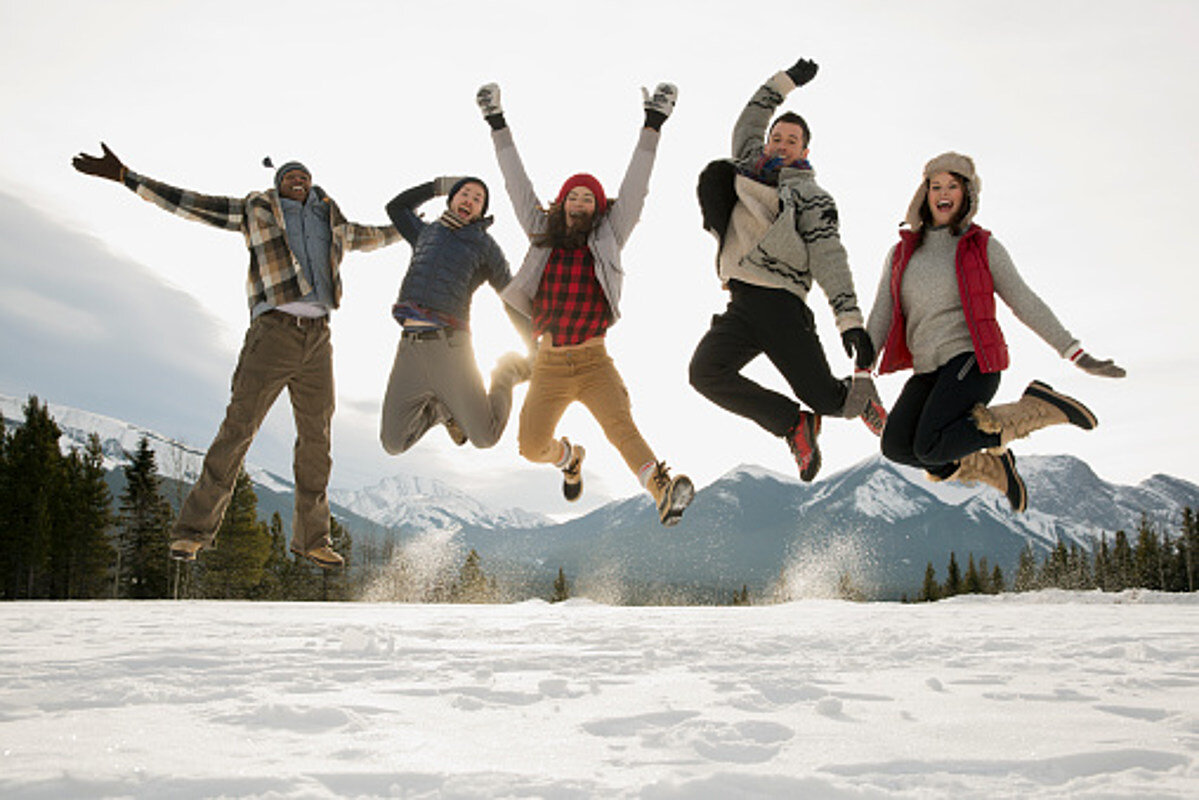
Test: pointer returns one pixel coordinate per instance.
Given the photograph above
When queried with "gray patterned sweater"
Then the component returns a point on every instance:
(788, 237)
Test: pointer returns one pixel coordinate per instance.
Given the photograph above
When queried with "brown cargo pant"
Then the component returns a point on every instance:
(586, 373)
(279, 351)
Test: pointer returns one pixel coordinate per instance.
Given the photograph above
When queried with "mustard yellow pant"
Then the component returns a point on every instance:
(583, 373)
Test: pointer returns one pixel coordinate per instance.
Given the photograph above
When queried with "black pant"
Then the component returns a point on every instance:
(930, 425)
(779, 324)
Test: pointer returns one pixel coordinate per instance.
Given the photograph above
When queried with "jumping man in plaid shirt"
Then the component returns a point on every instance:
(296, 236)
(569, 288)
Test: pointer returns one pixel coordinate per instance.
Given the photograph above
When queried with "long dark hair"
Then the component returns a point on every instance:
(955, 224)
(556, 234)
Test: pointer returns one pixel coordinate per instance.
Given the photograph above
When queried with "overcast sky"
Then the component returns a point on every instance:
(1081, 117)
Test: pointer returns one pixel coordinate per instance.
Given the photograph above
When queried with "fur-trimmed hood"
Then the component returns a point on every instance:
(946, 162)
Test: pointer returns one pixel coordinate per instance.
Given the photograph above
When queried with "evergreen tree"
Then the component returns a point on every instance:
(83, 552)
(1056, 567)
(561, 588)
(234, 568)
(1122, 572)
(953, 578)
(1103, 565)
(1190, 549)
(472, 584)
(973, 583)
(143, 535)
(930, 590)
(997, 584)
(1026, 571)
(984, 576)
(281, 575)
(33, 488)
(336, 583)
(1147, 558)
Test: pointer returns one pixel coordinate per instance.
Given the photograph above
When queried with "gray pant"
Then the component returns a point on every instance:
(279, 351)
(435, 379)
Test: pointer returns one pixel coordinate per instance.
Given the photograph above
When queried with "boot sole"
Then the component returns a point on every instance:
(318, 562)
(681, 495)
(573, 490)
(182, 554)
(1075, 412)
(1017, 492)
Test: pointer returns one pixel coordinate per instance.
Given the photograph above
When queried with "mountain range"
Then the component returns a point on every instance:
(876, 524)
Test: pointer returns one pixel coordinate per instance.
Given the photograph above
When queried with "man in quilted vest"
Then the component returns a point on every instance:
(296, 237)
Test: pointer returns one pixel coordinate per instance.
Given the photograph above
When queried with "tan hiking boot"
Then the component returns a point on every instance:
(672, 495)
(185, 549)
(1039, 407)
(994, 470)
(323, 556)
(572, 473)
(455, 430)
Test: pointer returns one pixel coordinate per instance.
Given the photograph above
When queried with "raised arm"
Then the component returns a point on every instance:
(749, 131)
(226, 213)
(528, 209)
(635, 185)
(402, 208)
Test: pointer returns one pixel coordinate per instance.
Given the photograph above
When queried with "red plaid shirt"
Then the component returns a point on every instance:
(570, 304)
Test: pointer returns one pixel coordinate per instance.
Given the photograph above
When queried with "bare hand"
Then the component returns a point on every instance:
(108, 166)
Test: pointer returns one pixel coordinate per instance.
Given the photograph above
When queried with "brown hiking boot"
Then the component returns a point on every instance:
(998, 471)
(572, 473)
(185, 549)
(455, 430)
(672, 495)
(323, 556)
(1039, 407)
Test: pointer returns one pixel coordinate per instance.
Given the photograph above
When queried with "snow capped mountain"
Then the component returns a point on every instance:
(174, 459)
(413, 503)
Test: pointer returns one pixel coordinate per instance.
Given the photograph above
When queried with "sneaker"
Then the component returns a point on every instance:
(875, 416)
(572, 473)
(323, 556)
(802, 441)
(672, 495)
(185, 549)
(456, 433)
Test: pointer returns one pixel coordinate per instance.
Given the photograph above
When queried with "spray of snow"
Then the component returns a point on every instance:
(421, 570)
(836, 566)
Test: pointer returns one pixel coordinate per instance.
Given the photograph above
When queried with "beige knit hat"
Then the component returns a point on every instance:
(946, 162)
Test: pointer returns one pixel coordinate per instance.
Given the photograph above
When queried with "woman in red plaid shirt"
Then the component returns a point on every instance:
(568, 287)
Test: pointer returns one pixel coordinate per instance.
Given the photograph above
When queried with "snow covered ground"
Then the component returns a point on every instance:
(1042, 695)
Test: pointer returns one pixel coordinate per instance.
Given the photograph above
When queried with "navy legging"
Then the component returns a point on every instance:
(931, 426)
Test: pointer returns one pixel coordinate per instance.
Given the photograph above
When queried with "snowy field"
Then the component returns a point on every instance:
(1043, 695)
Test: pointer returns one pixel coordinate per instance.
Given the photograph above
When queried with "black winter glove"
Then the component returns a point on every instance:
(802, 71)
(858, 347)
(106, 166)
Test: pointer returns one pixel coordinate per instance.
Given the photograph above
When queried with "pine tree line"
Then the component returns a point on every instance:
(1155, 561)
(63, 540)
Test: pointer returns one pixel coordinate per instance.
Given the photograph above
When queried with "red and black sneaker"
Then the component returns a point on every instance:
(802, 441)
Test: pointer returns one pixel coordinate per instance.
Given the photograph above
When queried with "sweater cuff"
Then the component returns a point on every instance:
(849, 320)
(1073, 351)
(781, 82)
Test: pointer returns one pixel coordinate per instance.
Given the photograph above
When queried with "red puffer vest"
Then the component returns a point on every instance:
(978, 302)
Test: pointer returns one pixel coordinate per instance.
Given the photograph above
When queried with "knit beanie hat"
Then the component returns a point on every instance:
(462, 182)
(286, 168)
(587, 182)
(946, 162)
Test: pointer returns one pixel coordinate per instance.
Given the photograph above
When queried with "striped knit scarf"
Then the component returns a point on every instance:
(767, 168)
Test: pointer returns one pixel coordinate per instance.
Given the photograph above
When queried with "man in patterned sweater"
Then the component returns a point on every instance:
(296, 236)
(778, 232)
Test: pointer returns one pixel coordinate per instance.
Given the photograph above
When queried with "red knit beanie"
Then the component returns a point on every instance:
(587, 182)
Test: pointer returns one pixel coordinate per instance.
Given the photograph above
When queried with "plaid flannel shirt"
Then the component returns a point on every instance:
(570, 304)
(274, 275)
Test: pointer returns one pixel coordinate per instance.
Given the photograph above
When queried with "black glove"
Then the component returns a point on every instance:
(108, 166)
(858, 347)
(802, 71)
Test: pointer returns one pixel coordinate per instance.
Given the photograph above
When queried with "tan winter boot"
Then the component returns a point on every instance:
(185, 549)
(993, 470)
(322, 555)
(672, 495)
(1039, 407)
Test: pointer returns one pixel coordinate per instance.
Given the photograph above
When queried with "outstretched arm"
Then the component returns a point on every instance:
(529, 212)
(227, 213)
(750, 128)
(635, 185)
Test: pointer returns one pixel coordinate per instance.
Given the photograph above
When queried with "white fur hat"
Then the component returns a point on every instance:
(946, 162)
